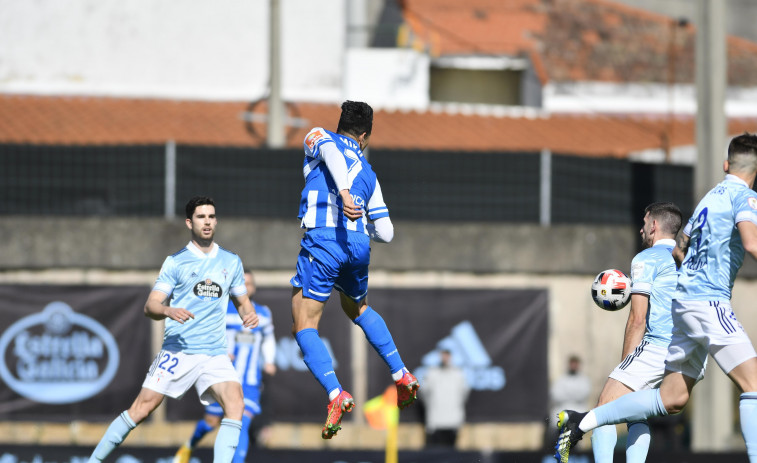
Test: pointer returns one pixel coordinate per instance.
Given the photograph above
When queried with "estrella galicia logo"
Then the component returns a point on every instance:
(58, 356)
(468, 352)
(208, 290)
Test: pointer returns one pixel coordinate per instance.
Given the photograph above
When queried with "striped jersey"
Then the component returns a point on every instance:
(246, 345)
(715, 248)
(653, 272)
(320, 204)
(200, 283)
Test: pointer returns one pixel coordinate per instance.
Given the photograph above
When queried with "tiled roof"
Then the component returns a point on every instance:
(576, 40)
(111, 121)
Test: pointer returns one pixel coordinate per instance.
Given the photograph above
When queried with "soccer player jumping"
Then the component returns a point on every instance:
(710, 251)
(341, 195)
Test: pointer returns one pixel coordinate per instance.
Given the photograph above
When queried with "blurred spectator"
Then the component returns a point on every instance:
(444, 396)
(570, 391)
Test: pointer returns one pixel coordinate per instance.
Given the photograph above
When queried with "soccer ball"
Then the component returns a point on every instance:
(611, 290)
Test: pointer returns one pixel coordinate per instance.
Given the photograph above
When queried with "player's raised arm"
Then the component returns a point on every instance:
(246, 310)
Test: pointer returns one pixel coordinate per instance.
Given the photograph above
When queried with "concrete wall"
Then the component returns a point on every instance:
(136, 243)
(142, 243)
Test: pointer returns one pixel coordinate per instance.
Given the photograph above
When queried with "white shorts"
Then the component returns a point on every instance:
(643, 368)
(706, 327)
(173, 373)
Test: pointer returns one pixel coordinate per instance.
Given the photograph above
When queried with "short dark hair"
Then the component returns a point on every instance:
(197, 201)
(356, 118)
(742, 153)
(667, 214)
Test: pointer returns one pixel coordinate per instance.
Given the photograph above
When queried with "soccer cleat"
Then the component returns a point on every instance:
(341, 404)
(182, 456)
(570, 434)
(407, 390)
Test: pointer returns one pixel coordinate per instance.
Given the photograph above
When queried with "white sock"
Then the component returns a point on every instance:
(397, 375)
(589, 422)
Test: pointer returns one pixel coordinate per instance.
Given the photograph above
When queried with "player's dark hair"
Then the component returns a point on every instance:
(197, 201)
(356, 118)
(667, 214)
(742, 153)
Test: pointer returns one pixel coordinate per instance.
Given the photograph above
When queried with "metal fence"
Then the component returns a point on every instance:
(157, 180)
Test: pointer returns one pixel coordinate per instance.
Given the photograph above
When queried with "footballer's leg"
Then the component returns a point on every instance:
(378, 335)
(306, 313)
(229, 395)
(745, 377)
(209, 422)
(147, 401)
(604, 438)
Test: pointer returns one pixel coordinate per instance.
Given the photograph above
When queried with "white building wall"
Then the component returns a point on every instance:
(387, 77)
(160, 48)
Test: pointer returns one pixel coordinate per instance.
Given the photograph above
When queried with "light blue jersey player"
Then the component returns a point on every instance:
(192, 294)
(252, 351)
(202, 284)
(648, 330)
(711, 250)
(342, 208)
(716, 251)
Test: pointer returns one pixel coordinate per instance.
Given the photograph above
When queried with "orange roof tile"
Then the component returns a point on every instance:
(577, 40)
(112, 121)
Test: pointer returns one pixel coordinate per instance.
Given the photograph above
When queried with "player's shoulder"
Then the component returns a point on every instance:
(316, 136)
(179, 252)
(227, 251)
(660, 254)
(748, 195)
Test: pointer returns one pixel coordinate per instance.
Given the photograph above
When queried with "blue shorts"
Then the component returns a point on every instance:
(333, 258)
(251, 402)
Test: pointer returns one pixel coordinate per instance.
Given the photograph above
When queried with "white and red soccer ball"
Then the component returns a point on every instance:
(611, 290)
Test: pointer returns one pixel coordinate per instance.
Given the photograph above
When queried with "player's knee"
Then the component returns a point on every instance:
(139, 411)
(675, 403)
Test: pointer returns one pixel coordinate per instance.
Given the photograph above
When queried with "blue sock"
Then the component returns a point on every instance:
(379, 337)
(201, 429)
(226, 440)
(637, 443)
(603, 440)
(114, 435)
(317, 358)
(636, 406)
(244, 440)
(748, 417)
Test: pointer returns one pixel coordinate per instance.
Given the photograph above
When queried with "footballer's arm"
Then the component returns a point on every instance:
(246, 310)
(157, 308)
(637, 323)
(748, 232)
(681, 248)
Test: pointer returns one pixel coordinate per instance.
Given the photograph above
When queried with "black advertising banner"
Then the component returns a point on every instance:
(498, 337)
(71, 352)
(293, 395)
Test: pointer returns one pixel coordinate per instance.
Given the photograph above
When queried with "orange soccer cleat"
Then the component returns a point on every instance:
(343, 403)
(407, 389)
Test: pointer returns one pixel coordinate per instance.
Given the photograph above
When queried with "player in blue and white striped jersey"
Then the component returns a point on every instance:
(711, 250)
(253, 353)
(342, 209)
(192, 294)
(648, 330)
